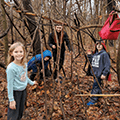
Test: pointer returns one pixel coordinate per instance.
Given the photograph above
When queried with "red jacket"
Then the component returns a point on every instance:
(110, 24)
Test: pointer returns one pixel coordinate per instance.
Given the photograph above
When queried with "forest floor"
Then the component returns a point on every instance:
(74, 108)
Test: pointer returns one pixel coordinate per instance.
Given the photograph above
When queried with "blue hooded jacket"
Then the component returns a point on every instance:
(38, 59)
(100, 63)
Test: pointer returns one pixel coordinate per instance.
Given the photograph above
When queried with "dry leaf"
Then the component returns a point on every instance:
(67, 96)
(60, 112)
(48, 91)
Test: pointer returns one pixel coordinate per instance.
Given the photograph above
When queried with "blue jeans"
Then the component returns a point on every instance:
(96, 90)
(20, 97)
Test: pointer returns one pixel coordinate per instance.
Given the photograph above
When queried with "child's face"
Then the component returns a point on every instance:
(18, 53)
(99, 46)
(46, 58)
(58, 28)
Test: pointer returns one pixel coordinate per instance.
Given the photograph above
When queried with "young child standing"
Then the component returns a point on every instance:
(17, 80)
(101, 67)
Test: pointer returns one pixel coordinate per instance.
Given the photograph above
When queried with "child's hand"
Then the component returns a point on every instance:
(103, 77)
(89, 52)
(41, 70)
(35, 83)
(12, 105)
(53, 46)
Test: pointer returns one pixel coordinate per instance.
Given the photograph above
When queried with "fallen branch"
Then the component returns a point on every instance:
(103, 95)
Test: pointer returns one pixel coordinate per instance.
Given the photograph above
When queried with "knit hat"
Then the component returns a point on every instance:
(104, 46)
(102, 43)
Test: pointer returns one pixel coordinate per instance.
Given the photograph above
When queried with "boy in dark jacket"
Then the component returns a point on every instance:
(101, 66)
(37, 59)
(62, 36)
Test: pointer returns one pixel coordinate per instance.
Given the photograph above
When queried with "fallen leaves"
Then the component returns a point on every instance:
(3, 86)
(72, 106)
(117, 104)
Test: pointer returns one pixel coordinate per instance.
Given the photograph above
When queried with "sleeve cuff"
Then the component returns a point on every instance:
(31, 83)
(11, 99)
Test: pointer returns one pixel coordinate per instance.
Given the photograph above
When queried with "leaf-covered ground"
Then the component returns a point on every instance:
(74, 108)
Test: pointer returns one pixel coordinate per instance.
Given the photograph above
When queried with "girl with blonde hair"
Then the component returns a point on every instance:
(17, 80)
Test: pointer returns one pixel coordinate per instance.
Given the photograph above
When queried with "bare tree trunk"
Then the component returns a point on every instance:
(5, 38)
(115, 50)
(32, 26)
(64, 9)
(110, 5)
(96, 15)
(91, 13)
(118, 63)
(85, 18)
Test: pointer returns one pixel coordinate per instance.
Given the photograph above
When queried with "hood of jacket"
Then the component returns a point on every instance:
(47, 53)
(38, 57)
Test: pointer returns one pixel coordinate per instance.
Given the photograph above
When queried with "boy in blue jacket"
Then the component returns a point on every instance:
(101, 66)
(37, 59)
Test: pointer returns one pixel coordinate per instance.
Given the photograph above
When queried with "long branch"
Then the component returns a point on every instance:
(13, 23)
(5, 32)
(56, 21)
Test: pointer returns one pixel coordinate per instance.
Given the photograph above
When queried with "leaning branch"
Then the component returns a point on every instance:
(56, 21)
(13, 23)
(5, 32)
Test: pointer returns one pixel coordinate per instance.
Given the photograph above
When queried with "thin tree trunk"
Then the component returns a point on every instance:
(32, 26)
(5, 38)
(118, 63)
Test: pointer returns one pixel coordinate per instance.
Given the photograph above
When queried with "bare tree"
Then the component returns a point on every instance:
(32, 24)
(5, 38)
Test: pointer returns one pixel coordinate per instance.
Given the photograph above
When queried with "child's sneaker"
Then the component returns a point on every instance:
(90, 103)
(60, 77)
(56, 80)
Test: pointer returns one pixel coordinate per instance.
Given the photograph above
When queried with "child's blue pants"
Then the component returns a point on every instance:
(96, 90)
